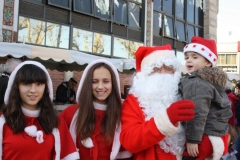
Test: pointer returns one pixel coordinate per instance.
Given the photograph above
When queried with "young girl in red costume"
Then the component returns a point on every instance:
(94, 122)
(29, 126)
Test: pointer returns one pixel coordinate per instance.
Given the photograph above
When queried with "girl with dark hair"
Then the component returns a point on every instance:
(29, 126)
(94, 122)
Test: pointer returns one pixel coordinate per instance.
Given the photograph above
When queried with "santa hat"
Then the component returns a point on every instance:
(147, 56)
(205, 47)
(13, 75)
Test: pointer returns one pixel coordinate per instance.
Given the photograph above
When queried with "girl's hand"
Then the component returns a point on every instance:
(192, 149)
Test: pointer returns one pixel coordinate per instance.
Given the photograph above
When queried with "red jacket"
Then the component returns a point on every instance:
(233, 100)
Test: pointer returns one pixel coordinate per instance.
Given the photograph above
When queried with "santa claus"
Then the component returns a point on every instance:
(153, 110)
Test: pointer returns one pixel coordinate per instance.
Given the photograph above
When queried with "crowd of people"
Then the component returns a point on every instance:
(165, 116)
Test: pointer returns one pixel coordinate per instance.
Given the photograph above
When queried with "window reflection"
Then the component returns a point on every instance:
(157, 5)
(180, 30)
(180, 9)
(31, 31)
(199, 12)
(102, 44)
(157, 23)
(83, 6)
(82, 40)
(64, 3)
(134, 15)
(168, 6)
(133, 48)
(190, 11)
(121, 48)
(57, 35)
(190, 32)
(102, 8)
(120, 11)
(168, 26)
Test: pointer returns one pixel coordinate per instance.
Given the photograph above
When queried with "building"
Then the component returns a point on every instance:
(67, 31)
(228, 39)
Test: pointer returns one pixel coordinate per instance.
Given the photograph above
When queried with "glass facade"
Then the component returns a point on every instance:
(102, 27)
(181, 20)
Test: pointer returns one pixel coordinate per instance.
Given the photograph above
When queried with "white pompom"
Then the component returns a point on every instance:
(88, 143)
(31, 130)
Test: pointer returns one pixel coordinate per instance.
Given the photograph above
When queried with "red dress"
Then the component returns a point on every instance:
(21, 146)
(101, 150)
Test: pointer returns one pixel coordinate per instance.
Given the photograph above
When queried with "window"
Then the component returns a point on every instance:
(191, 32)
(120, 11)
(61, 3)
(31, 31)
(168, 26)
(180, 9)
(124, 48)
(101, 44)
(82, 40)
(83, 6)
(177, 20)
(228, 62)
(157, 23)
(57, 35)
(124, 12)
(180, 31)
(168, 7)
(190, 11)
(102, 8)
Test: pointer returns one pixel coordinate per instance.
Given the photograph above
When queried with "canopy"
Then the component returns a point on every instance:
(60, 59)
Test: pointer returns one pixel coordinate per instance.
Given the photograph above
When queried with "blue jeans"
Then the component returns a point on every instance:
(237, 146)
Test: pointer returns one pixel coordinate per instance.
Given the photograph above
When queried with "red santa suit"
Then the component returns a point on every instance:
(53, 146)
(95, 147)
(147, 131)
(34, 143)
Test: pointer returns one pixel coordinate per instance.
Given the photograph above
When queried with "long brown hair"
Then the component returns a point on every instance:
(12, 111)
(86, 117)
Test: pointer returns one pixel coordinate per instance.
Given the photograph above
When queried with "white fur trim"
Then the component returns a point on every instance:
(56, 135)
(164, 124)
(13, 74)
(72, 127)
(218, 147)
(158, 54)
(87, 69)
(71, 156)
(123, 155)
(88, 143)
(179, 157)
(30, 113)
(116, 143)
(202, 50)
(2, 121)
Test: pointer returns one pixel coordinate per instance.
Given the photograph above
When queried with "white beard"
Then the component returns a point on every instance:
(156, 92)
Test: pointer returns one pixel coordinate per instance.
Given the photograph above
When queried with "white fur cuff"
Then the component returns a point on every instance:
(164, 124)
(218, 147)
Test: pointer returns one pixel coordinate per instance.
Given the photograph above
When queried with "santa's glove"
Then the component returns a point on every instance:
(181, 110)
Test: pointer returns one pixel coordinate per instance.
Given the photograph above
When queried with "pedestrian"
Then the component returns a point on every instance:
(30, 127)
(94, 122)
(207, 133)
(153, 109)
(8, 67)
(65, 93)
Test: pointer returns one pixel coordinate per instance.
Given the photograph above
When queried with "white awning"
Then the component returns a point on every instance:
(59, 59)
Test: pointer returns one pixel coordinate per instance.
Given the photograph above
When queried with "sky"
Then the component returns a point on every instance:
(228, 21)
